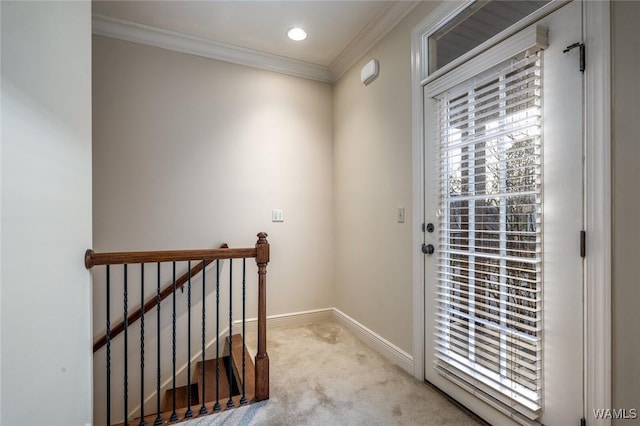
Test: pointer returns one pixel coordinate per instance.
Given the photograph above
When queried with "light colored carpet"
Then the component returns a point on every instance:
(322, 375)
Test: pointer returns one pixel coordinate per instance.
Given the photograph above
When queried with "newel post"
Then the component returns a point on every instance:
(262, 358)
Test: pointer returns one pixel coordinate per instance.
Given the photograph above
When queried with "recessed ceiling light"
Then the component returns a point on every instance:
(297, 34)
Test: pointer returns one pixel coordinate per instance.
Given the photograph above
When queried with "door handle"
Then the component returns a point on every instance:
(428, 249)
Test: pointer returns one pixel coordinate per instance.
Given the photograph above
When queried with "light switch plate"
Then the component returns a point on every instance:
(277, 215)
(400, 215)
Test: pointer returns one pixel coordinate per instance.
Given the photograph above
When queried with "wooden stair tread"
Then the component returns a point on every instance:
(182, 397)
(210, 379)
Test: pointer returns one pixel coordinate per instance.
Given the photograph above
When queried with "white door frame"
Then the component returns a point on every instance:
(597, 303)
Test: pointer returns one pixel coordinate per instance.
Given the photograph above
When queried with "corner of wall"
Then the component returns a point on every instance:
(373, 177)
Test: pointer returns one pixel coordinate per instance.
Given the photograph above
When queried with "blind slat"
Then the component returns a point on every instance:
(507, 387)
(500, 330)
(527, 128)
(490, 357)
(528, 66)
(530, 140)
(508, 116)
(493, 274)
(488, 305)
(459, 160)
(519, 346)
(447, 290)
(525, 362)
(511, 319)
(462, 107)
(532, 261)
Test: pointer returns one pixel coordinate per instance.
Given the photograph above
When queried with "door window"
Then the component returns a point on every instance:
(475, 25)
(489, 289)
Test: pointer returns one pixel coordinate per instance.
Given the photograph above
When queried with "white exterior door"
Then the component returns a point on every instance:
(504, 192)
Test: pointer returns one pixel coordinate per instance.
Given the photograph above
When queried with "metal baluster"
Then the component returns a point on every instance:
(108, 345)
(216, 406)
(142, 422)
(229, 372)
(126, 356)
(203, 409)
(244, 400)
(189, 413)
(159, 419)
(174, 415)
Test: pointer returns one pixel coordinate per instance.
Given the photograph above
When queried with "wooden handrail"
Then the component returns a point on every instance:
(92, 259)
(153, 301)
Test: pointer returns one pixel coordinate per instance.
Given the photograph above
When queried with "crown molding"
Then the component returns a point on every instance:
(153, 36)
(381, 24)
(384, 21)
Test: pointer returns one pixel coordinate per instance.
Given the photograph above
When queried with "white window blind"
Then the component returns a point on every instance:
(489, 291)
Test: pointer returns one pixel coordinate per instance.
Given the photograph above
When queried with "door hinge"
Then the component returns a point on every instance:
(583, 243)
(583, 59)
(424, 228)
(583, 422)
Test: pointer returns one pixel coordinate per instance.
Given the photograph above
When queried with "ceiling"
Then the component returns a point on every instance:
(254, 32)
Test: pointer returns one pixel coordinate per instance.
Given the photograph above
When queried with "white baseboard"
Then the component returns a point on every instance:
(376, 342)
(287, 320)
(369, 337)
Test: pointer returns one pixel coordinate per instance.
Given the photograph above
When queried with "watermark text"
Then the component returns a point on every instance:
(615, 413)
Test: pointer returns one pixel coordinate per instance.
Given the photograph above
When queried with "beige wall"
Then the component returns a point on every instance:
(46, 213)
(190, 152)
(372, 178)
(626, 205)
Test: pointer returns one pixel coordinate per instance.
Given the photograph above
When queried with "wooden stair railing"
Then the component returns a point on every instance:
(149, 304)
(256, 388)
